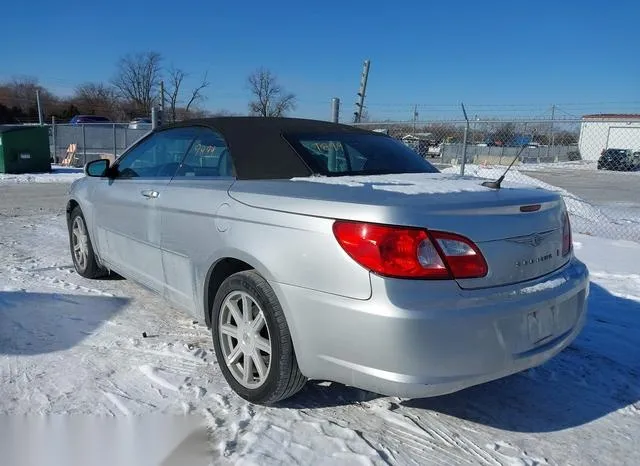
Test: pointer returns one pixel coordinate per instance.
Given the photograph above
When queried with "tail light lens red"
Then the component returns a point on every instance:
(403, 252)
(567, 240)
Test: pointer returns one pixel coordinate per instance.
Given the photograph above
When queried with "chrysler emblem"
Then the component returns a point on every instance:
(535, 239)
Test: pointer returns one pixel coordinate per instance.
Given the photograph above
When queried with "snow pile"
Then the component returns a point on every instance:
(57, 175)
(586, 218)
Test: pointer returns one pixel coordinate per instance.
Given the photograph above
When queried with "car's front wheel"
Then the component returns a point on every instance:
(84, 260)
(252, 340)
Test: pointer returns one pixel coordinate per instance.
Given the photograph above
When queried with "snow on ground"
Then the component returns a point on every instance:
(585, 218)
(58, 174)
(73, 346)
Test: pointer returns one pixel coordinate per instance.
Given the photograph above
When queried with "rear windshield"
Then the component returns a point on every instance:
(357, 154)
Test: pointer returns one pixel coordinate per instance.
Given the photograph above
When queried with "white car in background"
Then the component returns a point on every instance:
(140, 123)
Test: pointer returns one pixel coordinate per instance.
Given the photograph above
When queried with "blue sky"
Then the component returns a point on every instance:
(501, 58)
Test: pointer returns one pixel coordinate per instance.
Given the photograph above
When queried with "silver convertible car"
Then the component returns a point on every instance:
(316, 250)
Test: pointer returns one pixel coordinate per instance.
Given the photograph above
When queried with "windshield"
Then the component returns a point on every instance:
(357, 154)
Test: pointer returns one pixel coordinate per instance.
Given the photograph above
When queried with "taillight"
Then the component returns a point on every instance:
(404, 252)
(566, 234)
(461, 255)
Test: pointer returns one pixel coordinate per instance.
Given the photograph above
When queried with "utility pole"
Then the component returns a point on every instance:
(415, 117)
(335, 110)
(162, 96)
(464, 140)
(361, 93)
(475, 122)
(40, 116)
(551, 135)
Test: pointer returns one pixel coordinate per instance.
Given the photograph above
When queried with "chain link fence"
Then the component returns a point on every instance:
(593, 162)
(76, 145)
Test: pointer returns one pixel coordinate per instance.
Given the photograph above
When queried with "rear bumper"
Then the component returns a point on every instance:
(419, 339)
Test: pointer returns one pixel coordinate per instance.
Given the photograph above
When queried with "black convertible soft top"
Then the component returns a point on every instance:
(258, 147)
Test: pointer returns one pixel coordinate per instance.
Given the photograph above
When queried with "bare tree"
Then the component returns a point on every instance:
(97, 98)
(270, 99)
(176, 77)
(137, 80)
(20, 94)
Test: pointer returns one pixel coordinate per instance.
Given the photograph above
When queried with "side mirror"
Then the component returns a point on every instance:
(97, 168)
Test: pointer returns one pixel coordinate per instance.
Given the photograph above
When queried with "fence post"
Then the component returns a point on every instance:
(84, 146)
(154, 117)
(115, 142)
(464, 148)
(53, 135)
(335, 110)
(551, 136)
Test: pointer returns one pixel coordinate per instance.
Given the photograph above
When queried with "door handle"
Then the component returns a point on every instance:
(149, 193)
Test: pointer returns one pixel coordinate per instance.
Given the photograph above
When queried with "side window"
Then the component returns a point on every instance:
(208, 156)
(330, 154)
(158, 156)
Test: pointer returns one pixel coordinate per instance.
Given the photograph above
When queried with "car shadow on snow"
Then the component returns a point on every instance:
(39, 323)
(597, 374)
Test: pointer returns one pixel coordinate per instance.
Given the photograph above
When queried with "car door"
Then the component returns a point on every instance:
(193, 211)
(127, 219)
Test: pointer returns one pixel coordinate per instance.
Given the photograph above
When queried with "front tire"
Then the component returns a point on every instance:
(84, 260)
(252, 340)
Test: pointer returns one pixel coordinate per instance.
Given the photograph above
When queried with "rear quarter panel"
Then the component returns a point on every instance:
(291, 249)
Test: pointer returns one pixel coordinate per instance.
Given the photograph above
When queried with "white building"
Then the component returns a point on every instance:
(608, 131)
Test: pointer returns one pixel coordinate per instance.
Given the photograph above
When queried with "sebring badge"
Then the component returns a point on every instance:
(534, 261)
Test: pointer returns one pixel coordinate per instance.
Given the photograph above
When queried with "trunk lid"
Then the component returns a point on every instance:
(517, 245)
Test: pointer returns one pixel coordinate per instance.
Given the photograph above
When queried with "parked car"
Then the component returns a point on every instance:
(140, 123)
(316, 250)
(619, 160)
(89, 119)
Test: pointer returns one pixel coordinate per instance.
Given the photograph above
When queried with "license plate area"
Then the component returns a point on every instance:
(541, 324)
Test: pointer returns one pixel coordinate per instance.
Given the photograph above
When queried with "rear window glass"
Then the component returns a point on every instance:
(357, 154)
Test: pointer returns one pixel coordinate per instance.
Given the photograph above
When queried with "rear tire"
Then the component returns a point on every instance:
(252, 340)
(84, 259)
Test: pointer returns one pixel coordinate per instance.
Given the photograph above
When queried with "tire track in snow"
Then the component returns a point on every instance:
(132, 393)
(116, 402)
(152, 374)
(514, 456)
(57, 282)
(423, 441)
(400, 436)
(448, 436)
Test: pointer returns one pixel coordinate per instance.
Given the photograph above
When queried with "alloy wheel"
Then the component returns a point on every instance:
(80, 243)
(244, 339)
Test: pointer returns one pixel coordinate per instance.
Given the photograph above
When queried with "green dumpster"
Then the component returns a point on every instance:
(24, 149)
